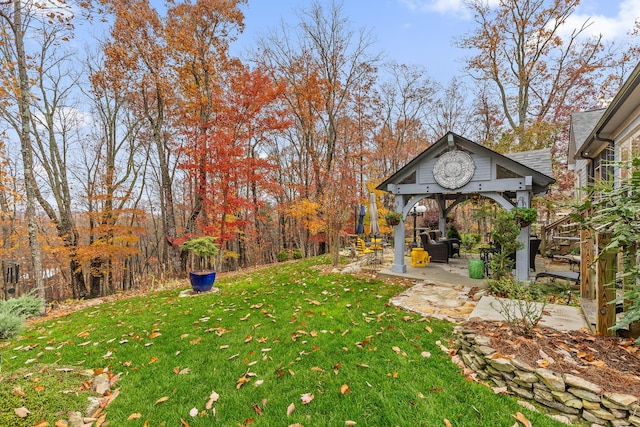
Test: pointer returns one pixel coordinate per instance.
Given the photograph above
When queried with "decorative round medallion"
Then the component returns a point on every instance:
(454, 169)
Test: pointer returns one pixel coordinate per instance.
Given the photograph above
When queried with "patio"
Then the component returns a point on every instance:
(445, 291)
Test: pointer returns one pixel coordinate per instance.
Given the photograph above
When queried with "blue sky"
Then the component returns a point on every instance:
(423, 31)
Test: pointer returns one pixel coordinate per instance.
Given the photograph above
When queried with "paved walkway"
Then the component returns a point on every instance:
(445, 291)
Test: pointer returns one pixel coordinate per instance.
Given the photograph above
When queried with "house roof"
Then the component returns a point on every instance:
(619, 110)
(538, 160)
(582, 123)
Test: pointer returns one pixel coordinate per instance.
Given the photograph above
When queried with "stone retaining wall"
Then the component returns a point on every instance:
(568, 394)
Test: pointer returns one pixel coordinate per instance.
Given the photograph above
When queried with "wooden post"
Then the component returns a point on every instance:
(605, 286)
(587, 290)
(628, 282)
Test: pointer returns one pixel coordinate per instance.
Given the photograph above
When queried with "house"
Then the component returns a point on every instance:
(597, 137)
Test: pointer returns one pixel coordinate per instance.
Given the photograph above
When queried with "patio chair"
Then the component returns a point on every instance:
(454, 244)
(439, 251)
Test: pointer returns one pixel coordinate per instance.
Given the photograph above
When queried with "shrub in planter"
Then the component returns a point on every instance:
(205, 248)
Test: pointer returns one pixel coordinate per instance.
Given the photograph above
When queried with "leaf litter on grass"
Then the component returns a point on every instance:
(299, 321)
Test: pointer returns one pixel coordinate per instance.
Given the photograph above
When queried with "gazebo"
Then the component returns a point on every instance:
(455, 169)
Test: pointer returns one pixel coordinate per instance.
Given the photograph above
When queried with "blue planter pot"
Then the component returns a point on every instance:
(202, 281)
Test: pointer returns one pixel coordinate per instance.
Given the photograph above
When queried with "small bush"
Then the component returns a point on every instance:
(469, 240)
(27, 305)
(10, 325)
(297, 254)
(521, 305)
(282, 256)
(453, 233)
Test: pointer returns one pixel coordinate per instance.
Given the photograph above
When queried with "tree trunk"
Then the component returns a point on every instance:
(26, 148)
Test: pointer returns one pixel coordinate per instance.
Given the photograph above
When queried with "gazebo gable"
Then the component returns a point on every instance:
(492, 172)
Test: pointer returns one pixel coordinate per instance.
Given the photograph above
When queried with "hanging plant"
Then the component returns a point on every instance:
(524, 216)
(393, 218)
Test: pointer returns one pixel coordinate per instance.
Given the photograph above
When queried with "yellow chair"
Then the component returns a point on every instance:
(362, 249)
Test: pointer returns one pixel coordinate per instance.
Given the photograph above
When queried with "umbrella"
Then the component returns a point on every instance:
(360, 226)
(374, 228)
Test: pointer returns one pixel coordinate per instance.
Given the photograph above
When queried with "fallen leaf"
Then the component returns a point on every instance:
(22, 412)
(17, 391)
(350, 423)
(134, 416)
(153, 360)
(212, 399)
(42, 423)
(396, 349)
(518, 416)
(428, 328)
(154, 335)
(306, 398)
(290, 409)
(162, 399)
(425, 354)
(241, 381)
(447, 423)
(257, 409)
(61, 423)
(344, 389)
(100, 421)
(193, 412)
(183, 423)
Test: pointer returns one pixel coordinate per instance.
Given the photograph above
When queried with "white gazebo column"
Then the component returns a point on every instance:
(398, 265)
(523, 200)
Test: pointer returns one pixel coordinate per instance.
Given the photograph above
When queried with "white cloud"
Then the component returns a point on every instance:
(611, 27)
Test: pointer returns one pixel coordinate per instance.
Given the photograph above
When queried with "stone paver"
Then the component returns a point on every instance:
(441, 302)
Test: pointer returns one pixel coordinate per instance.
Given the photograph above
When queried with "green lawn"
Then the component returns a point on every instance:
(265, 343)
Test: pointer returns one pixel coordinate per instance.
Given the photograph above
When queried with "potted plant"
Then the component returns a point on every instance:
(393, 218)
(205, 248)
(524, 216)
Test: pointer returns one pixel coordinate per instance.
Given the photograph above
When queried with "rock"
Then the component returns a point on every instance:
(94, 404)
(550, 379)
(603, 414)
(528, 406)
(618, 400)
(590, 406)
(522, 392)
(587, 415)
(577, 382)
(527, 377)
(352, 269)
(101, 384)
(562, 418)
(523, 366)
(486, 350)
(501, 364)
(562, 396)
(584, 394)
(482, 340)
(620, 423)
